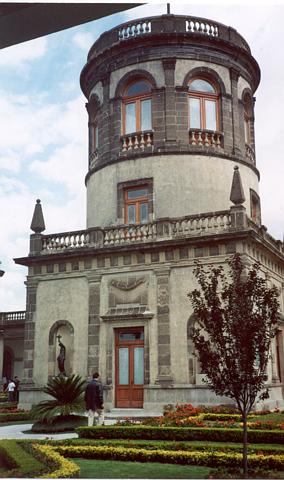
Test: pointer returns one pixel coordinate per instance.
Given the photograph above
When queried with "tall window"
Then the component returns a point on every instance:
(96, 136)
(136, 204)
(137, 107)
(247, 118)
(203, 105)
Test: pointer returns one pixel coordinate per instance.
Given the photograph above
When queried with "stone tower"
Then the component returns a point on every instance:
(172, 177)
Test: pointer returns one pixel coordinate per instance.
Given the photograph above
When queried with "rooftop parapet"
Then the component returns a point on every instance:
(167, 24)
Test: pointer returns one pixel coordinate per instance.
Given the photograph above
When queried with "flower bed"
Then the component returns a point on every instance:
(61, 468)
(146, 432)
(210, 459)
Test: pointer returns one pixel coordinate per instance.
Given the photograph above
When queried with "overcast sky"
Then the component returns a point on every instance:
(44, 132)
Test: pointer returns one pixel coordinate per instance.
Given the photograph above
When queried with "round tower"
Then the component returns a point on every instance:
(171, 112)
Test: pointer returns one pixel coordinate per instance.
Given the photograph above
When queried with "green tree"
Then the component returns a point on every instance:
(68, 398)
(236, 320)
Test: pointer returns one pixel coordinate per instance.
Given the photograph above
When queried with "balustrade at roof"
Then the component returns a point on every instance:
(159, 232)
(170, 28)
(12, 318)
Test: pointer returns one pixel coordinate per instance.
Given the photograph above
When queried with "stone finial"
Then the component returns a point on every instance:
(237, 192)
(37, 224)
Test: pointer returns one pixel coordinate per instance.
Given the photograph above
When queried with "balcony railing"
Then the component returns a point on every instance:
(167, 24)
(194, 225)
(206, 138)
(8, 318)
(136, 141)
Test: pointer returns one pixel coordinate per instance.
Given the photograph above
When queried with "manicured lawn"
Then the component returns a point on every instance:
(274, 417)
(116, 469)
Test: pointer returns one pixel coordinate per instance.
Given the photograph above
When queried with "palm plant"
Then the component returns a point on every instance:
(68, 398)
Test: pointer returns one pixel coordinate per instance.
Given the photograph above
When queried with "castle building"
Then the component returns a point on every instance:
(172, 177)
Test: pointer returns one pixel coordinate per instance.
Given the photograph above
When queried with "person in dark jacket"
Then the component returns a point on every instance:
(94, 400)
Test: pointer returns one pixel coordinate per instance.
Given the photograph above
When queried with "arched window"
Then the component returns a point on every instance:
(203, 105)
(137, 107)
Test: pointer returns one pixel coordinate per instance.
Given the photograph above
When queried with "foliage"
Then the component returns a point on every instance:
(68, 395)
(236, 320)
(210, 458)
(59, 466)
(179, 434)
(17, 416)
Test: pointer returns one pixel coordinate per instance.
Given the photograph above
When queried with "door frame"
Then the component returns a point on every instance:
(125, 343)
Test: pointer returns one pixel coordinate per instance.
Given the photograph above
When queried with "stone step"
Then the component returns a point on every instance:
(130, 412)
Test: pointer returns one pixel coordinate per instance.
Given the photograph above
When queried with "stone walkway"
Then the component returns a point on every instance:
(18, 431)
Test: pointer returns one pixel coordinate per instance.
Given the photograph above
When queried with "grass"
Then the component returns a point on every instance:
(274, 417)
(117, 469)
(26, 463)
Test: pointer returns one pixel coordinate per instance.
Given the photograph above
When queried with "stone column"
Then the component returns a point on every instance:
(94, 323)
(163, 318)
(29, 331)
(235, 112)
(170, 108)
(1, 354)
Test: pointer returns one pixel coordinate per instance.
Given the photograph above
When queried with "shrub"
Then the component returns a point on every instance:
(211, 458)
(61, 468)
(14, 417)
(67, 393)
(180, 434)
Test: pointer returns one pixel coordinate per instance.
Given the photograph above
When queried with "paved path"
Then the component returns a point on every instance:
(17, 431)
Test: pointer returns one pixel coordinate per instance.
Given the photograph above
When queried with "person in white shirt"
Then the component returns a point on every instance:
(10, 389)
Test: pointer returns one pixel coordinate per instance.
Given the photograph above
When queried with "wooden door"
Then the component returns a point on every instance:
(129, 367)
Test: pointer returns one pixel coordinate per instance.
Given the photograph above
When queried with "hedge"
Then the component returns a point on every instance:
(19, 461)
(14, 417)
(61, 468)
(210, 458)
(180, 434)
(170, 445)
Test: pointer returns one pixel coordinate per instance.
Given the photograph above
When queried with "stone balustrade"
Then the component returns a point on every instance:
(136, 141)
(134, 29)
(167, 24)
(250, 153)
(196, 25)
(126, 234)
(7, 318)
(206, 138)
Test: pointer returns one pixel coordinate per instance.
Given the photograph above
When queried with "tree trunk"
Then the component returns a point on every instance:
(245, 445)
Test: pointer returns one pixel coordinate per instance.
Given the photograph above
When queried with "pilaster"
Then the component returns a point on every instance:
(163, 319)
(29, 334)
(1, 353)
(170, 104)
(234, 74)
(94, 323)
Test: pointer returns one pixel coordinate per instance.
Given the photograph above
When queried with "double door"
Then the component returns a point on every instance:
(129, 371)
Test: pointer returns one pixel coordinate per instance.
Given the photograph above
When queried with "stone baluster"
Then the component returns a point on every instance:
(142, 142)
(136, 144)
(206, 141)
(130, 143)
(200, 141)
(148, 140)
(124, 145)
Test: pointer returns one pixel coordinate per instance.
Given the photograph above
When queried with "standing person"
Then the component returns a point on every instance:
(16, 391)
(10, 389)
(94, 400)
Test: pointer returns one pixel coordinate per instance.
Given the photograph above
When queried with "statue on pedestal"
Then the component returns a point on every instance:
(61, 357)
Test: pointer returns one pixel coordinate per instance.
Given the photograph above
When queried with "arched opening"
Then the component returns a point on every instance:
(137, 107)
(61, 349)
